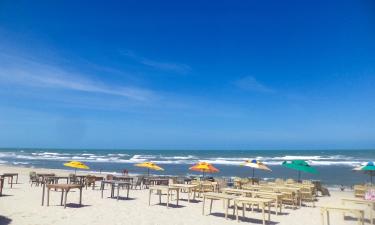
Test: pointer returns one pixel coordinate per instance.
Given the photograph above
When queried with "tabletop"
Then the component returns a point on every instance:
(184, 185)
(258, 200)
(161, 187)
(64, 186)
(219, 195)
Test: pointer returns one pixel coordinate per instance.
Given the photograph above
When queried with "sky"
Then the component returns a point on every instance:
(187, 74)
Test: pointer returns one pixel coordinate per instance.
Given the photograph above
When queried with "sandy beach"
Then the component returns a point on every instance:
(21, 205)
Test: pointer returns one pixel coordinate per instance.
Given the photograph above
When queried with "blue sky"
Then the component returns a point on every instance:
(187, 75)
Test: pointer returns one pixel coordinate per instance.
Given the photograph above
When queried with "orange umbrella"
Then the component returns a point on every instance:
(204, 167)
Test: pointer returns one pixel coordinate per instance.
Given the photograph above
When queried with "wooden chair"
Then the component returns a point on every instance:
(307, 195)
(73, 179)
(33, 178)
(289, 197)
(360, 191)
(139, 182)
(90, 180)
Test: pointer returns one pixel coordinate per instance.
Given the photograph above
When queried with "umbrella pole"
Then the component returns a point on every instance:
(75, 171)
(148, 172)
(299, 176)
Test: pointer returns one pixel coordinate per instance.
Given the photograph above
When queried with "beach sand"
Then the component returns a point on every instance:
(21, 205)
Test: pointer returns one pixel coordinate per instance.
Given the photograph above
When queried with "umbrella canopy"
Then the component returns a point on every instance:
(255, 164)
(149, 166)
(76, 165)
(368, 167)
(300, 166)
(204, 167)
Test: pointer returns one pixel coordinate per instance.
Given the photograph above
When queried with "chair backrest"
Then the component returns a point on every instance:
(139, 180)
(290, 181)
(279, 181)
(32, 175)
(109, 177)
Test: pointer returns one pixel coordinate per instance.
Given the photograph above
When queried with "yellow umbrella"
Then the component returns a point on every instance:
(149, 165)
(204, 167)
(76, 165)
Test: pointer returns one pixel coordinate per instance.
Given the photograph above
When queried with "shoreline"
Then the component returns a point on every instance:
(334, 187)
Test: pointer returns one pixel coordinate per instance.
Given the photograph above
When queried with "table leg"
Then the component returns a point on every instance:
(327, 213)
(167, 199)
(127, 193)
(149, 197)
(243, 210)
(66, 196)
(226, 209)
(178, 195)
(236, 209)
(204, 200)
(62, 196)
(211, 200)
(118, 191)
(264, 219)
(269, 212)
(189, 190)
(43, 191)
(11, 182)
(102, 188)
(80, 196)
(48, 189)
(371, 214)
(17, 179)
(277, 206)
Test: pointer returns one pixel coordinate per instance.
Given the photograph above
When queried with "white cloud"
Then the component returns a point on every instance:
(249, 83)
(167, 66)
(27, 72)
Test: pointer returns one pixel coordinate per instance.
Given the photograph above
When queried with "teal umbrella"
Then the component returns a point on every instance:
(368, 168)
(300, 166)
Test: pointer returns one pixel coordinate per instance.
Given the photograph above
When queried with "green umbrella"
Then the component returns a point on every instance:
(368, 168)
(299, 165)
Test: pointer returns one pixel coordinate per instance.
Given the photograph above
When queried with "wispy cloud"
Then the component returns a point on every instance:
(166, 66)
(34, 73)
(249, 83)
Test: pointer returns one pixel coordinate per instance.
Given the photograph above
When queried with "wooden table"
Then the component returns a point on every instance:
(370, 204)
(57, 178)
(188, 187)
(160, 189)
(327, 209)
(158, 181)
(124, 178)
(10, 178)
(277, 197)
(261, 202)
(64, 188)
(218, 196)
(114, 184)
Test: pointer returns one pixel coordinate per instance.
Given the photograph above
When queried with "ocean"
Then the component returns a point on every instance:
(334, 166)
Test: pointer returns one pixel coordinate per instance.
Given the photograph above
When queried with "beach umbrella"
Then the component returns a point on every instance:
(149, 166)
(368, 168)
(76, 165)
(204, 167)
(255, 164)
(300, 166)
